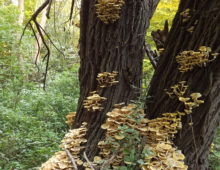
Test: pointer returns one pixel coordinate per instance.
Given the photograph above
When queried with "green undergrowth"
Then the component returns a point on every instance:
(32, 121)
(214, 158)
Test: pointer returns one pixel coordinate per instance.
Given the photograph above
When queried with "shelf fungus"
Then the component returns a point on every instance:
(73, 142)
(70, 118)
(165, 154)
(165, 157)
(189, 59)
(158, 133)
(120, 116)
(177, 90)
(93, 103)
(185, 15)
(108, 11)
(191, 103)
(107, 79)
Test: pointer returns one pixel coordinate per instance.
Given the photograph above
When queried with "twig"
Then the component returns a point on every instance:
(41, 31)
(71, 10)
(70, 156)
(143, 142)
(48, 51)
(38, 45)
(34, 16)
(51, 41)
(48, 9)
(194, 141)
(151, 55)
(87, 160)
(107, 162)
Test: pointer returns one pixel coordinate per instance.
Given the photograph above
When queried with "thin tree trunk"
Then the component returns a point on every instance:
(110, 47)
(205, 17)
(20, 22)
(36, 56)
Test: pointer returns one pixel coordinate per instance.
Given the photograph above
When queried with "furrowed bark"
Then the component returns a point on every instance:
(110, 47)
(205, 80)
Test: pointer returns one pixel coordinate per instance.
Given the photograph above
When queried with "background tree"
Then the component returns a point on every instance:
(201, 29)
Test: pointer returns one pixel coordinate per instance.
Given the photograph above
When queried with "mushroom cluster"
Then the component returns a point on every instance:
(158, 133)
(70, 118)
(109, 10)
(177, 90)
(165, 157)
(121, 115)
(185, 15)
(191, 103)
(163, 128)
(73, 142)
(188, 59)
(94, 102)
(107, 79)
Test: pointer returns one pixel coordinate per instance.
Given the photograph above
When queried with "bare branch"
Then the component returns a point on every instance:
(70, 156)
(71, 10)
(51, 41)
(107, 162)
(87, 160)
(40, 30)
(151, 55)
(48, 9)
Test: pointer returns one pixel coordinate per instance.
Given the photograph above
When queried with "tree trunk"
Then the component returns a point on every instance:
(205, 17)
(20, 22)
(110, 47)
(21, 10)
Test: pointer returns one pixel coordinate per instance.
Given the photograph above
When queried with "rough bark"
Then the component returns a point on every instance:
(111, 47)
(204, 80)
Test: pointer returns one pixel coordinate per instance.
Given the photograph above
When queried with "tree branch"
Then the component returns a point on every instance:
(71, 10)
(87, 160)
(48, 9)
(107, 162)
(40, 30)
(70, 156)
(153, 56)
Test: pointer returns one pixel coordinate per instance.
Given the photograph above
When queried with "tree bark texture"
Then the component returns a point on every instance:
(110, 47)
(205, 80)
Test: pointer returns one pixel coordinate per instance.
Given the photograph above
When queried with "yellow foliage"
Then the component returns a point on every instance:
(166, 10)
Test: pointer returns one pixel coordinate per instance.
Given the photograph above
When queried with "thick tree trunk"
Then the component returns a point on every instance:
(205, 80)
(110, 47)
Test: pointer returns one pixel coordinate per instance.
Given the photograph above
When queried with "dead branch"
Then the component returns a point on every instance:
(41, 31)
(70, 156)
(153, 56)
(38, 44)
(48, 9)
(87, 160)
(140, 151)
(107, 162)
(71, 10)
